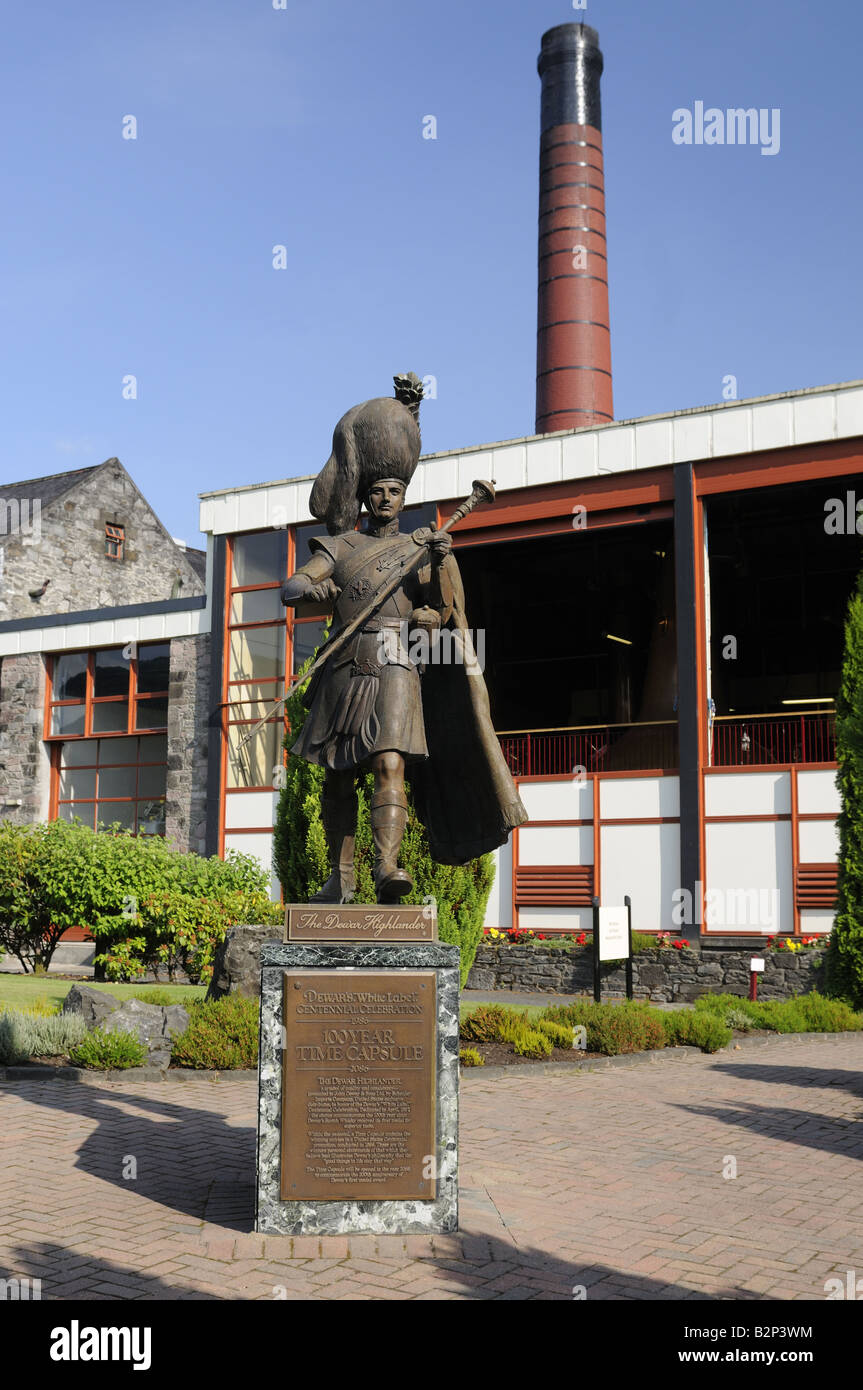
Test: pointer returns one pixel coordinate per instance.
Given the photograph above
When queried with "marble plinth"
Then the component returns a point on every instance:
(316, 1217)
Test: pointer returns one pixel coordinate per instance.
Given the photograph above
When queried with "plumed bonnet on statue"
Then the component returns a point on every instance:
(371, 705)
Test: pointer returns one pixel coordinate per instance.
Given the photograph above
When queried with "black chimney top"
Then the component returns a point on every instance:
(570, 65)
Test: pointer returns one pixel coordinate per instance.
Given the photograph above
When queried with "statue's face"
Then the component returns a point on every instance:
(386, 499)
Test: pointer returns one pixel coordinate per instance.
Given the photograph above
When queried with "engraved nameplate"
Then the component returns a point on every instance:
(331, 922)
(358, 1113)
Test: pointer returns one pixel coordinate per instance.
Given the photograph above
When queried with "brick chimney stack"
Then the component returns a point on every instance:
(573, 371)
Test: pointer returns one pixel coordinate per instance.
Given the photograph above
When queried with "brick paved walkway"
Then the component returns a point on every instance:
(609, 1180)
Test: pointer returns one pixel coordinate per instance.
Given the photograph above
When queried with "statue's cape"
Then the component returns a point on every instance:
(464, 795)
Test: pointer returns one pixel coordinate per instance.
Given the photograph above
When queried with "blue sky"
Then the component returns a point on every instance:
(303, 127)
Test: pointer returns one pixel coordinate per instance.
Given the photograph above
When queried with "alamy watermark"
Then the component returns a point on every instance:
(726, 907)
(735, 126)
(21, 517)
(420, 646)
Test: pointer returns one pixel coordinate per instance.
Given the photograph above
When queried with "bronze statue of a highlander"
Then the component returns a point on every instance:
(369, 706)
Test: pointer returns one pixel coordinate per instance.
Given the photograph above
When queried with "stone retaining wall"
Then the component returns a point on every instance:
(662, 975)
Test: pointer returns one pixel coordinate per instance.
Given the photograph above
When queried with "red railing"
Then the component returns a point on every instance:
(739, 741)
(597, 748)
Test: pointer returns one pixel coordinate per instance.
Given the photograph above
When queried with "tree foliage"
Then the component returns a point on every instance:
(146, 903)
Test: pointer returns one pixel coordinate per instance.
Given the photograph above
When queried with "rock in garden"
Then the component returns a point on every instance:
(155, 1027)
(94, 1005)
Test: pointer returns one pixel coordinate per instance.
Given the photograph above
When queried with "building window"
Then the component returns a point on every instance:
(106, 724)
(115, 539)
(106, 782)
(115, 691)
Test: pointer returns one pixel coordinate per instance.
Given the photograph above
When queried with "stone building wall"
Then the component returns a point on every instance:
(188, 728)
(24, 758)
(662, 975)
(66, 545)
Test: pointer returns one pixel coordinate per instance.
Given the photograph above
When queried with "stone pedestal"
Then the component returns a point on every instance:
(355, 1211)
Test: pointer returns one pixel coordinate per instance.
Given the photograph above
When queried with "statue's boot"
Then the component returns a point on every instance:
(389, 814)
(339, 815)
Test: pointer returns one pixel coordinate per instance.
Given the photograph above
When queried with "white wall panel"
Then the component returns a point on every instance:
(246, 809)
(749, 864)
(732, 431)
(543, 462)
(814, 418)
(814, 920)
(556, 918)
(849, 413)
(771, 425)
(555, 844)
(654, 444)
(261, 846)
(747, 794)
(616, 448)
(692, 435)
(818, 842)
(638, 797)
(818, 792)
(579, 455)
(498, 912)
(473, 465)
(643, 862)
(565, 800)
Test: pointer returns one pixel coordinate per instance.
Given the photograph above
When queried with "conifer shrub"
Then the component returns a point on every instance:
(222, 1035)
(460, 892)
(844, 960)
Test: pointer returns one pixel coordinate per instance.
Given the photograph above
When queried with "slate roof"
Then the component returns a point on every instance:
(46, 489)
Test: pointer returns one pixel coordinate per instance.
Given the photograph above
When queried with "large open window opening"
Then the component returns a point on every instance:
(579, 639)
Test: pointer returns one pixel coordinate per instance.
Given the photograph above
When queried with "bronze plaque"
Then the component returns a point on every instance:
(358, 1111)
(380, 924)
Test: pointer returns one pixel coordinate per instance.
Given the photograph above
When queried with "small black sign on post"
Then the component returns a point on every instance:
(612, 940)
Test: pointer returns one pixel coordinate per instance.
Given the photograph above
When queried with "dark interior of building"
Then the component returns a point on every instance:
(578, 628)
(780, 580)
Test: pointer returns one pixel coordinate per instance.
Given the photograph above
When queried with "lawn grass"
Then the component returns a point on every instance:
(17, 991)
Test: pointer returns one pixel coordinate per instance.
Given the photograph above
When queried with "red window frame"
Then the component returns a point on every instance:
(115, 536)
(90, 701)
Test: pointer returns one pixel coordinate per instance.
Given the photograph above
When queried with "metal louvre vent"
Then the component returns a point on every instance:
(816, 885)
(554, 885)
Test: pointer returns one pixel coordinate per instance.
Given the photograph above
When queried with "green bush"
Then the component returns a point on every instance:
(146, 903)
(107, 1051)
(683, 1027)
(460, 892)
(613, 1028)
(804, 1013)
(24, 1035)
(484, 1023)
(469, 1057)
(844, 960)
(222, 1035)
(561, 1034)
(531, 1043)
